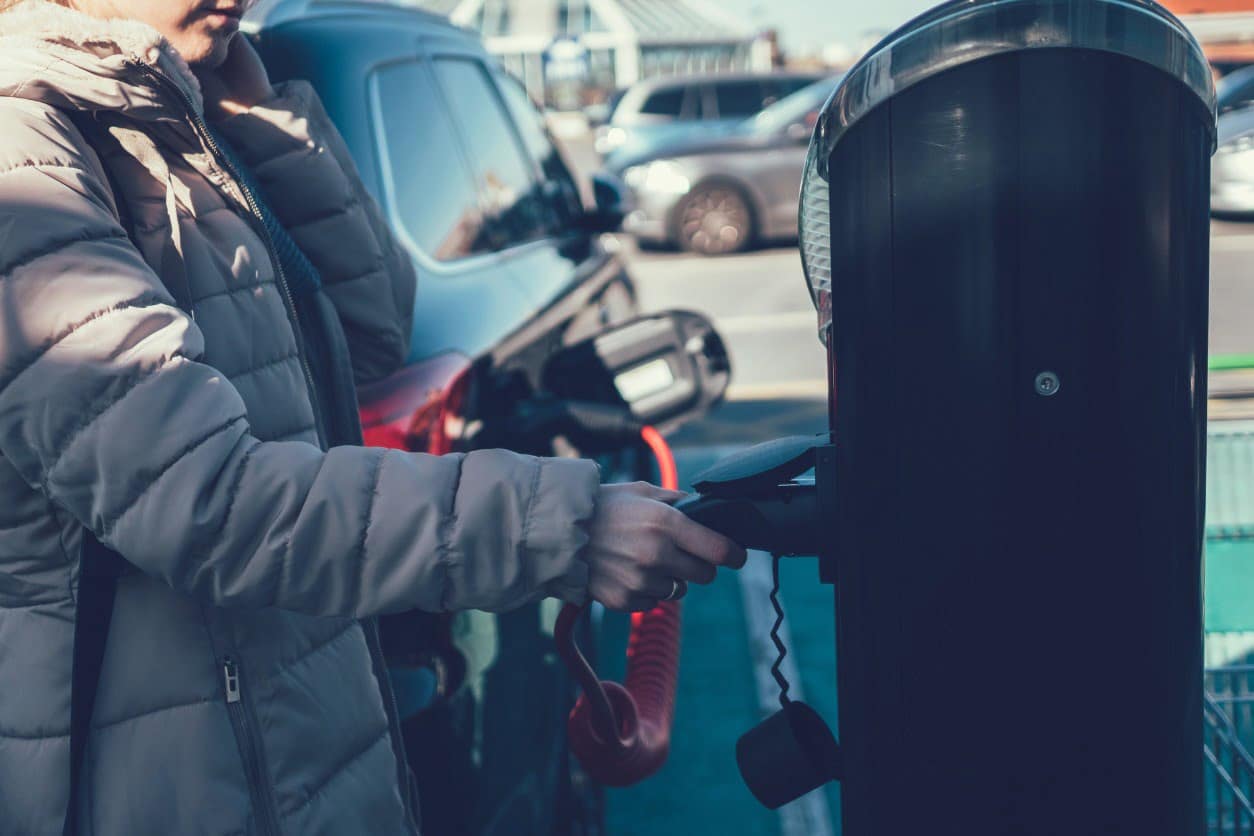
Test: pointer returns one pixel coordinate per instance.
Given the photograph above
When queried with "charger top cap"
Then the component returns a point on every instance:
(958, 33)
(963, 31)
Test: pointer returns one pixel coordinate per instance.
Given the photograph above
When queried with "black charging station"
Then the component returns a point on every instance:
(1011, 269)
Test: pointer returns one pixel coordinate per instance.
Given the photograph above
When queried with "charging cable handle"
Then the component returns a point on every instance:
(621, 734)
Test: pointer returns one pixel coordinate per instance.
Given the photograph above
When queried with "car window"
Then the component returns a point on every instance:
(514, 207)
(432, 193)
(707, 105)
(788, 86)
(668, 102)
(558, 181)
(801, 106)
(738, 98)
(612, 103)
(1235, 91)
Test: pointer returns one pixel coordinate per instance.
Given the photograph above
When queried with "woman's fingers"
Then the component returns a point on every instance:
(705, 543)
(686, 567)
(651, 491)
(642, 551)
(644, 603)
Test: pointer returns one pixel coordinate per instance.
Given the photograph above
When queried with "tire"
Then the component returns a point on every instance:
(714, 219)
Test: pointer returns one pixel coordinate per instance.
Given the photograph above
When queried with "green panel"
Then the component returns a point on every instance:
(1230, 481)
(1230, 527)
(1224, 362)
(1230, 586)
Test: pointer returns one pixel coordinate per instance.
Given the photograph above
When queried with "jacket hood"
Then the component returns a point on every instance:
(72, 61)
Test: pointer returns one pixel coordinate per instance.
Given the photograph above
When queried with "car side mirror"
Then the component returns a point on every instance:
(611, 204)
(664, 368)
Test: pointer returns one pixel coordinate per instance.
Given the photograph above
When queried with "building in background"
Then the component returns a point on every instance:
(572, 53)
(1225, 28)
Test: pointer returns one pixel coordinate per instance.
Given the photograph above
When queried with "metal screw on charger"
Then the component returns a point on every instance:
(1047, 384)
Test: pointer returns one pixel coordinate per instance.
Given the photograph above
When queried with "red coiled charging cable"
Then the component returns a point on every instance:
(621, 734)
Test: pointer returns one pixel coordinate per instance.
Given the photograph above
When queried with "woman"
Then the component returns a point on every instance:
(187, 263)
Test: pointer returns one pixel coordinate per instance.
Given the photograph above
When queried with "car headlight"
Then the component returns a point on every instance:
(609, 138)
(659, 176)
(814, 221)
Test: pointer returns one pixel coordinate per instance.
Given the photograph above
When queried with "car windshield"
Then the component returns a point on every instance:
(1235, 90)
(791, 109)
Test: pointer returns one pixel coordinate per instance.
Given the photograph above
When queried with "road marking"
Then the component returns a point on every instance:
(768, 322)
(1232, 243)
(786, 389)
(808, 815)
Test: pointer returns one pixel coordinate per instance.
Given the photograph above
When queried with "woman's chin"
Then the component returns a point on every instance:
(208, 51)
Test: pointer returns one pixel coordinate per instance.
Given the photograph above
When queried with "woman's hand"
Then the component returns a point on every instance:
(239, 83)
(643, 551)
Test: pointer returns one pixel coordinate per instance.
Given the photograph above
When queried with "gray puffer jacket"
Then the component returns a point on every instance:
(188, 444)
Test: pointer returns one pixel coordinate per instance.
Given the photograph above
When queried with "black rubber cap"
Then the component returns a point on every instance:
(787, 755)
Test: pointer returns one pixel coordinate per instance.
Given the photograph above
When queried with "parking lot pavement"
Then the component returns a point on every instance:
(760, 304)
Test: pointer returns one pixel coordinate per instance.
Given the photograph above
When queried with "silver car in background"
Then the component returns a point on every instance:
(718, 194)
(1232, 168)
(666, 108)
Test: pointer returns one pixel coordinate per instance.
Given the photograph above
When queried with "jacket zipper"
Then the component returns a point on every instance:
(215, 151)
(267, 815)
(371, 629)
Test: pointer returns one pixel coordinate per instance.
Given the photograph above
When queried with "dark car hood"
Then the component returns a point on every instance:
(706, 143)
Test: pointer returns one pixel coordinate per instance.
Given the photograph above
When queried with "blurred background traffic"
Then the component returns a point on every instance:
(559, 167)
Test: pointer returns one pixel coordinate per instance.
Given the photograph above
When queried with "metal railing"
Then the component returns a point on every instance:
(1228, 703)
(1228, 717)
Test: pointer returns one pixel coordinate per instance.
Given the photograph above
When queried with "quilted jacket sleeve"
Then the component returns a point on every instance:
(106, 408)
(310, 179)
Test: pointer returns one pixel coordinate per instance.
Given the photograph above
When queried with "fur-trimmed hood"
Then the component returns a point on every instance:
(72, 61)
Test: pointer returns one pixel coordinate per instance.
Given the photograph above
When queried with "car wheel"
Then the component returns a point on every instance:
(715, 220)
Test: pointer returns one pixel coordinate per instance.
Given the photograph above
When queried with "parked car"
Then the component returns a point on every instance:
(1232, 167)
(719, 194)
(512, 268)
(659, 109)
(1235, 91)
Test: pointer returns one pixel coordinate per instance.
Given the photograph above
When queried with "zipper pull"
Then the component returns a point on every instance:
(230, 675)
